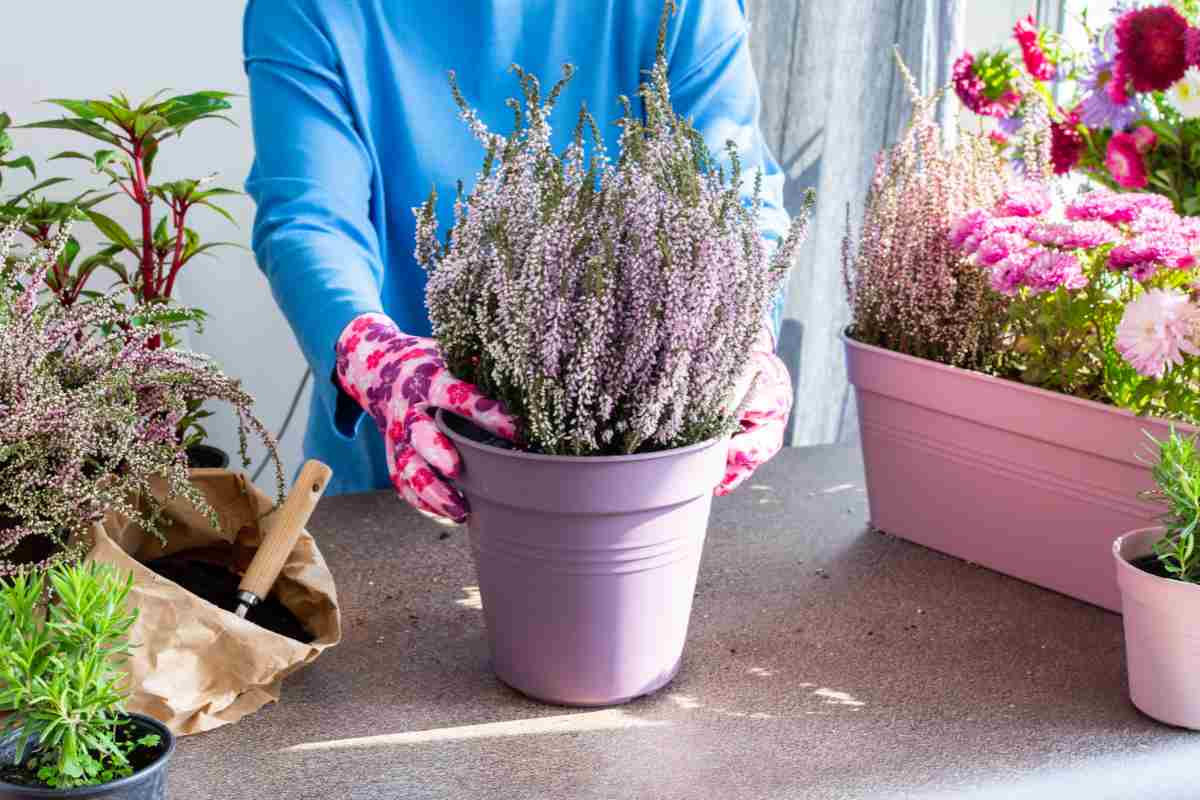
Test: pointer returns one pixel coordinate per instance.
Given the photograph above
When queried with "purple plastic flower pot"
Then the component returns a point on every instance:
(587, 566)
(1025, 481)
(1161, 646)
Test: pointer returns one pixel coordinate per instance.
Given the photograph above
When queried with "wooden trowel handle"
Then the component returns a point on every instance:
(283, 529)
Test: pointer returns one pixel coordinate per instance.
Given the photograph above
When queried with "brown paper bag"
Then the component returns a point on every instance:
(195, 666)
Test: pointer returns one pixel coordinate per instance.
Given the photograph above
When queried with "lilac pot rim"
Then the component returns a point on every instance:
(463, 441)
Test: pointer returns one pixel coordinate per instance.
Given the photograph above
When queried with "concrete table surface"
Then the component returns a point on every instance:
(824, 660)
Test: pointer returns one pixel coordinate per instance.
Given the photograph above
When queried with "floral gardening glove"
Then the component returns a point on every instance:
(398, 379)
(766, 390)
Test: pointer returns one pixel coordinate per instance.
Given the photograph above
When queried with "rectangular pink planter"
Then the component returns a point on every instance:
(1025, 481)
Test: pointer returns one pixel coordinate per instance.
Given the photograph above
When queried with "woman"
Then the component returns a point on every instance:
(354, 122)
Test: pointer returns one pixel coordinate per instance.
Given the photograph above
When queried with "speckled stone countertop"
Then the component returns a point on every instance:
(824, 661)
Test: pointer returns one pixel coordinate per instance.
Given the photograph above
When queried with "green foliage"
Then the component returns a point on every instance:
(1177, 478)
(60, 673)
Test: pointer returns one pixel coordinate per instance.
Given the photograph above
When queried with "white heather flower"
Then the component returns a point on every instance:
(1158, 329)
(1185, 94)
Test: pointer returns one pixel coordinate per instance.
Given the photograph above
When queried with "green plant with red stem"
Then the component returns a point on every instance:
(134, 135)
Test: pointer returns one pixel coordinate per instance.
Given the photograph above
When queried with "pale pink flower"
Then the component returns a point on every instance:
(1159, 328)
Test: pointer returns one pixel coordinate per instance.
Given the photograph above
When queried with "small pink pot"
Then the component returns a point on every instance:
(1162, 648)
(1025, 481)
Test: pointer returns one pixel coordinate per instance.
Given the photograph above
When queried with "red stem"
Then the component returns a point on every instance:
(142, 196)
(177, 261)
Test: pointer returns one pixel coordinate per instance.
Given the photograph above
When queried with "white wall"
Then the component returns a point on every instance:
(68, 48)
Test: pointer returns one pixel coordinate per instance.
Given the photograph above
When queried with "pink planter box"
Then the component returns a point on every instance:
(1030, 483)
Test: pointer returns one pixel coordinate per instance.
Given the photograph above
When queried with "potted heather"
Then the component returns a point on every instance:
(611, 306)
(90, 411)
(1158, 570)
(1008, 345)
(63, 638)
(148, 262)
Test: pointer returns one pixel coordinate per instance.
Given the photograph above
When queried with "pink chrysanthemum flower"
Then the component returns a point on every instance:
(1083, 234)
(1000, 246)
(1050, 269)
(1025, 199)
(1009, 275)
(1158, 330)
(1166, 248)
(968, 227)
(1125, 163)
(1115, 207)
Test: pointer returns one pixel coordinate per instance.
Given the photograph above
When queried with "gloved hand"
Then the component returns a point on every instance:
(398, 379)
(765, 390)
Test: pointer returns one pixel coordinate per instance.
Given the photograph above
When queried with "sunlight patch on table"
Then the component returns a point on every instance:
(607, 720)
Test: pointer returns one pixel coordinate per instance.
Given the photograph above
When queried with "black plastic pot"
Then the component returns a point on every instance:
(149, 783)
(205, 456)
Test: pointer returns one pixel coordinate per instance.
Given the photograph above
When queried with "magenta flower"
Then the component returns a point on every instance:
(1151, 47)
(1036, 62)
(1157, 330)
(968, 227)
(1000, 246)
(1125, 163)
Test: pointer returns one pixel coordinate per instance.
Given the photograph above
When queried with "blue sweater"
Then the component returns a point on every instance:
(354, 123)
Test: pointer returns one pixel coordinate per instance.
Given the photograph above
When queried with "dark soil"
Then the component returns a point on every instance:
(476, 434)
(139, 759)
(219, 586)
(207, 457)
(1152, 565)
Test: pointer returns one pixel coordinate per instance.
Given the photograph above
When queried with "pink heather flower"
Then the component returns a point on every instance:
(1158, 329)
(1151, 45)
(1082, 234)
(1124, 162)
(1025, 199)
(1036, 63)
(1049, 270)
(1144, 138)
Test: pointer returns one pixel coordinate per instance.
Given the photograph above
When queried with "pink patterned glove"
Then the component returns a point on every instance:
(398, 379)
(766, 390)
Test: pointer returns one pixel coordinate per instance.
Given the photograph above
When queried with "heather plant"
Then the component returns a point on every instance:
(910, 289)
(610, 305)
(1102, 294)
(89, 410)
(61, 677)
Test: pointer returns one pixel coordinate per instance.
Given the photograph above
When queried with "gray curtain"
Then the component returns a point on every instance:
(832, 98)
